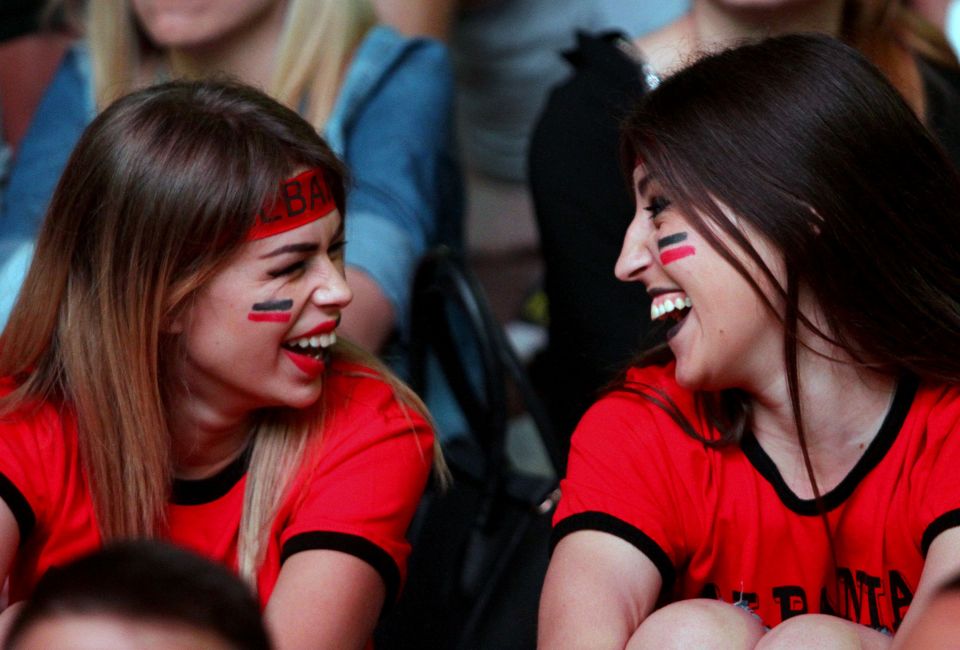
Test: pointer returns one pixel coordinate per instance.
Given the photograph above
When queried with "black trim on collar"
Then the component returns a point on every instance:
(877, 449)
(205, 490)
(943, 523)
(607, 523)
(19, 506)
(354, 545)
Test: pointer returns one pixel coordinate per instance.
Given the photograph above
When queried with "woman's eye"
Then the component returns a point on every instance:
(657, 205)
(287, 270)
(337, 247)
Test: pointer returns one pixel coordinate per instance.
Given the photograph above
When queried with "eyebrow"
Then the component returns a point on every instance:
(643, 183)
(291, 248)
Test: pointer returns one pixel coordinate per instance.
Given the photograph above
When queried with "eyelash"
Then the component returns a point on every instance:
(287, 270)
(657, 205)
(335, 248)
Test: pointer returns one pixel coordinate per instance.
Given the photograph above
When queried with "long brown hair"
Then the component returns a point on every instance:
(155, 199)
(807, 142)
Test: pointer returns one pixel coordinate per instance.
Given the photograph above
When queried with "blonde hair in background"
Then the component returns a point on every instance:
(134, 230)
(890, 34)
(315, 47)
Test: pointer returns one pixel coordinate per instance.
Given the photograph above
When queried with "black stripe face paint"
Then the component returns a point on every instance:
(670, 240)
(271, 311)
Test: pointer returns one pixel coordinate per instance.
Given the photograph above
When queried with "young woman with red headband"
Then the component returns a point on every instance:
(172, 368)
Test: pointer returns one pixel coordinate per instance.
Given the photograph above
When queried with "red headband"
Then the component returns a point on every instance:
(302, 199)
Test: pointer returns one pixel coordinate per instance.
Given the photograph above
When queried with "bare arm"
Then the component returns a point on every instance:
(369, 319)
(9, 539)
(942, 564)
(324, 599)
(598, 590)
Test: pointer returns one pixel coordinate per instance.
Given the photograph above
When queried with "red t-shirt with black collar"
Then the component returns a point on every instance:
(356, 493)
(722, 523)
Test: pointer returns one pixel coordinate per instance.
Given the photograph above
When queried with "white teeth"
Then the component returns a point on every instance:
(320, 341)
(658, 310)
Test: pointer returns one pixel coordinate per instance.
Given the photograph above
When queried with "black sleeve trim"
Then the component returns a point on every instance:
(606, 523)
(353, 545)
(20, 507)
(942, 523)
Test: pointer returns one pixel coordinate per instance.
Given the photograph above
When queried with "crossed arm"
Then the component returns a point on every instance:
(600, 592)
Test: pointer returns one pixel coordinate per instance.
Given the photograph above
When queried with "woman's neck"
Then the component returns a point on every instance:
(711, 26)
(842, 405)
(716, 26)
(247, 54)
(206, 435)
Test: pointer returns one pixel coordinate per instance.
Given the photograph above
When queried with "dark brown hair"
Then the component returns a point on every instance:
(807, 142)
(149, 582)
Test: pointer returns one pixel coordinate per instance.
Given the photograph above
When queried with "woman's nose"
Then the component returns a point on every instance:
(635, 256)
(331, 287)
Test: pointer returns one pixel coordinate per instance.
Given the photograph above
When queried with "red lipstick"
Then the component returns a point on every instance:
(308, 365)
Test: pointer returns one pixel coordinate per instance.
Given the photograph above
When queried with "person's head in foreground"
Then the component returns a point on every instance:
(791, 448)
(140, 595)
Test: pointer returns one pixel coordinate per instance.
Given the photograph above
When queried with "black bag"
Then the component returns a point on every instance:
(480, 549)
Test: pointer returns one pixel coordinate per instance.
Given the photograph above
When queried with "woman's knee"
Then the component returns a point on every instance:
(698, 623)
(822, 631)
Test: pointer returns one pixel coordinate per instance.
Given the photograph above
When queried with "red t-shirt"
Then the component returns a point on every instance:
(357, 492)
(722, 523)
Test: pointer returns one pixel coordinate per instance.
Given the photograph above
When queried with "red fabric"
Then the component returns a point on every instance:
(363, 479)
(721, 525)
(301, 199)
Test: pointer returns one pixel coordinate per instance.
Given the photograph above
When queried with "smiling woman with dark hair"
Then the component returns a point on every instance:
(788, 459)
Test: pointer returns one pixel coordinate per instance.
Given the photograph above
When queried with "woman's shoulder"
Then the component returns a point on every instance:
(356, 392)
(34, 427)
(385, 52)
(645, 402)
(667, 49)
(936, 407)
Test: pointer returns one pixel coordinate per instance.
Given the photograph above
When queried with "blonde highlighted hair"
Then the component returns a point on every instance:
(156, 199)
(314, 49)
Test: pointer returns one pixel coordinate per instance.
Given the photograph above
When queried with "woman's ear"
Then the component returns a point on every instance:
(174, 320)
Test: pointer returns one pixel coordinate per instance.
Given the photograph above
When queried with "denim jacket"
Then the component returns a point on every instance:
(392, 124)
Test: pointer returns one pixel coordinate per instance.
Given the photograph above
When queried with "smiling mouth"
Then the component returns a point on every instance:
(673, 306)
(317, 346)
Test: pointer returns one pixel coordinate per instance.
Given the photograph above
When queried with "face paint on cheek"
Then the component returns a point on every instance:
(670, 240)
(271, 311)
(676, 253)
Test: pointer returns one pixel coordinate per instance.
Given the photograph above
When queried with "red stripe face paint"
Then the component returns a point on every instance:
(674, 254)
(271, 311)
